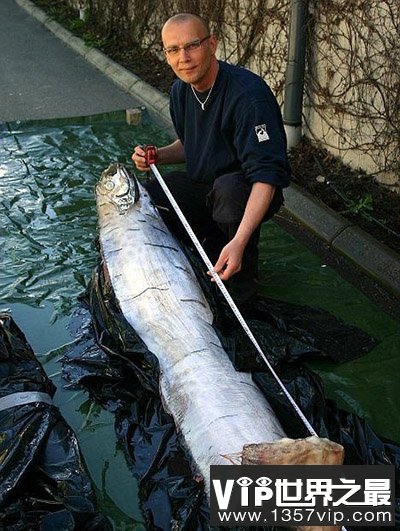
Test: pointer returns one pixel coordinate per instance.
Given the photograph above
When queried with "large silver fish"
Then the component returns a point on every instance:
(217, 409)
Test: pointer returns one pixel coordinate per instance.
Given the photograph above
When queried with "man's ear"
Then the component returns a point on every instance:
(213, 41)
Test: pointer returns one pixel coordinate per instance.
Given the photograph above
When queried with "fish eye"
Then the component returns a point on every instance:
(109, 185)
(244, 481)
(263, 481)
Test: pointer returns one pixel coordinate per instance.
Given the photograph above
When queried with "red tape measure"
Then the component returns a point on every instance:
(150, 154)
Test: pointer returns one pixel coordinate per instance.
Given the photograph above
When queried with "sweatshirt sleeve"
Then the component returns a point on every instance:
(260, 141)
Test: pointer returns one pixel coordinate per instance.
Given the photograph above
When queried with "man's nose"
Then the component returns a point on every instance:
(183, 54)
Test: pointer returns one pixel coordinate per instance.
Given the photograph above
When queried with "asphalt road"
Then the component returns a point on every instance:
(40, 77)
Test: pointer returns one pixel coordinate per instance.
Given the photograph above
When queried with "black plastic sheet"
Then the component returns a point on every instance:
(123, 376)
(43, 481)
(286, 332)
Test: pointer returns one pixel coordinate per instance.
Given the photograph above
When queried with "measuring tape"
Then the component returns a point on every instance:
(151, 158)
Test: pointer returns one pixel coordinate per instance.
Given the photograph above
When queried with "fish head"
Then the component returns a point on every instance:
(119, 187)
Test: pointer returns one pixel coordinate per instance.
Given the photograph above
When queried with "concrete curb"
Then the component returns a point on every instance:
(375, 259)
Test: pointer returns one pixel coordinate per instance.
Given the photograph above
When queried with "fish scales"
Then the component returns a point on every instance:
(217, 409)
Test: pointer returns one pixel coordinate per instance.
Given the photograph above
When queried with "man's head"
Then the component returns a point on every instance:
(190, 49)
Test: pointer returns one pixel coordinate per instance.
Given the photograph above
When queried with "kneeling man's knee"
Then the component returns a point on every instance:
(228, 197)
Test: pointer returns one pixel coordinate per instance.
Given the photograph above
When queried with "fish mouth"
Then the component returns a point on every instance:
(119, 186)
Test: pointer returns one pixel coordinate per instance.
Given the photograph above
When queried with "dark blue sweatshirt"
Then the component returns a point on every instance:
(240, 129)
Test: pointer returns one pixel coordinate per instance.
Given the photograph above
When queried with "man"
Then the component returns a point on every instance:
(231, 136)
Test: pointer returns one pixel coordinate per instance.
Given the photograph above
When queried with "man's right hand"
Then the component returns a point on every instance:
(139, 159)
(171, 154)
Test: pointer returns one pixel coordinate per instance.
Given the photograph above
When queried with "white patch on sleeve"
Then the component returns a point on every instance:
(261, 132)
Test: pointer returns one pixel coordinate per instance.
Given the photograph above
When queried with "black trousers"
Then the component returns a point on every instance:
(214, 211)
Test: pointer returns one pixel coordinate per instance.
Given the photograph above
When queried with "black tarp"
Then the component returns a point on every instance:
(43, 482)
(123, 376)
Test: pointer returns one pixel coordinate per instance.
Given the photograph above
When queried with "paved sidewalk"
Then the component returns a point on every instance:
(376, 260)
(40, 77)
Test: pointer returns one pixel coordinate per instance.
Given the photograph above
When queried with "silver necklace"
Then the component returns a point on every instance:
(202, 103)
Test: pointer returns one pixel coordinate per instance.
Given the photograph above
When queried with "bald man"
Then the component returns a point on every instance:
(230, 135)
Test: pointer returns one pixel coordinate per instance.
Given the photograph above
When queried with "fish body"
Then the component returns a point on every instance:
(217, 409)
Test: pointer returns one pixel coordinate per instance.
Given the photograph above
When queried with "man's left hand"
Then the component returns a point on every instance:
(229, 261)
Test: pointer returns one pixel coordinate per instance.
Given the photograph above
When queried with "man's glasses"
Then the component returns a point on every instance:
(189, 47)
